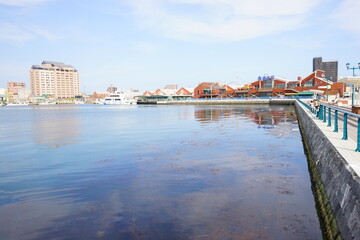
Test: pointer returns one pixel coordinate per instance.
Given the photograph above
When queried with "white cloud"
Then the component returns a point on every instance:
(12, 33)
(22, 3)
(221, 20)
(9, 32)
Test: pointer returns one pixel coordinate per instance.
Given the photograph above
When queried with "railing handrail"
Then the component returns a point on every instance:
(321, 114)
(250, 98)
(341, 110)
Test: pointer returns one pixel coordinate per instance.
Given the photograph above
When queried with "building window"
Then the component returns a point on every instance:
(267, 83)
(292, 85)
(309, 83)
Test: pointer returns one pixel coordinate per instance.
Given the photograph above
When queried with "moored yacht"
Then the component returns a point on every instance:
(118, 99)
(113, 99)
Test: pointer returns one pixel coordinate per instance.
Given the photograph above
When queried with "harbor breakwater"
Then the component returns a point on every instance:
(335, 184)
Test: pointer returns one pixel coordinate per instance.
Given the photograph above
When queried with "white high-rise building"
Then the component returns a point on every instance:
(54, 78)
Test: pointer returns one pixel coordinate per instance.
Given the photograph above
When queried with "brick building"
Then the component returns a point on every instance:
(273, 87)
(213, 90)
(13, 87)
(100, 94)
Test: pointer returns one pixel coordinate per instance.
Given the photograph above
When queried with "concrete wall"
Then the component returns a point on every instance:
(342, 185)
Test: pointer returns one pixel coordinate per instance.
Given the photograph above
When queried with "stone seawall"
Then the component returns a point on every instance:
(340, 183)
(229, 101)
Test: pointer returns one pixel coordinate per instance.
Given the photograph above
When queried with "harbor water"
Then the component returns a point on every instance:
(154, 172)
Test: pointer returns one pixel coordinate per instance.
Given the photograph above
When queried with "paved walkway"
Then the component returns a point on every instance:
(352, 122)
(345, 147)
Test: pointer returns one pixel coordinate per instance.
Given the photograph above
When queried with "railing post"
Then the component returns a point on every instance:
(358, 137)
(336, 127)
(321, 112)
(324, 117)
(345, 135)
(329, 117)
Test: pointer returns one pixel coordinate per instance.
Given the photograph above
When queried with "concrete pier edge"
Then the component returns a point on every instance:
(335, 184)
(229, 102)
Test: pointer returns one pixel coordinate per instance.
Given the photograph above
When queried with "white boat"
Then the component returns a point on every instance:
(17, 104)
(113, 99)
(46, 103)
(118, 99)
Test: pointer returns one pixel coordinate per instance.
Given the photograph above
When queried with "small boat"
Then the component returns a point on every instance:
(17, 104)
(46, 103)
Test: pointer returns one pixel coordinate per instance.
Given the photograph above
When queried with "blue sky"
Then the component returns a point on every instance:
(146, 44)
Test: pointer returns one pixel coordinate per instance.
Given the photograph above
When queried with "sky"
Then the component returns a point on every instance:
(147, 44)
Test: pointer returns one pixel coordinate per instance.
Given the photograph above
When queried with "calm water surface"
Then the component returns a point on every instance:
(154, 172)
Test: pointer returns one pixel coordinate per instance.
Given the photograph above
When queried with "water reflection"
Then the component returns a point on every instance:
(55, 127)
(261, 115)
(265, 117)
(215, 177)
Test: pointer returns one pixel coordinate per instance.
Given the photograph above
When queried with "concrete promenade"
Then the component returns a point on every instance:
(352, 122)
(335, 168)
(346, 148)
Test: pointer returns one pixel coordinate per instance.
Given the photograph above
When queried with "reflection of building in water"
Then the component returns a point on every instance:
(266, 116)
(209, 114)
(55, 131)
(273, 116)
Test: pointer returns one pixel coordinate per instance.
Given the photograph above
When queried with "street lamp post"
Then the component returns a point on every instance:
(353, 86)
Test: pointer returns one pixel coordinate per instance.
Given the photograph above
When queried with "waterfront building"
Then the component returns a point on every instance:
(330, 68)
(24, 94)
(129, 94)
(13, 87)
(185, 91)
(100, 94)
(56, 79)
(165, 92)
(213, 90)
(147, 93)
(274, 86)
(171, 86)
(267, 87)
(168, 94)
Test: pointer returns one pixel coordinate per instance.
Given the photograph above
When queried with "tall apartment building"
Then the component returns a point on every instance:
(54, 78)
(13, 87)
(330, 68)
(112, 89)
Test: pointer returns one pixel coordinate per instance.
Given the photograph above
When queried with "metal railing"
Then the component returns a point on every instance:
(324, 113)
